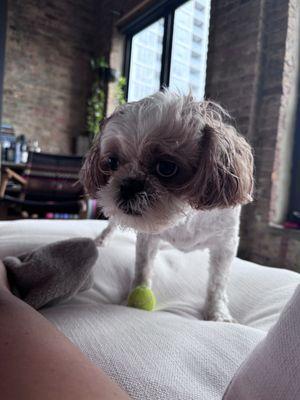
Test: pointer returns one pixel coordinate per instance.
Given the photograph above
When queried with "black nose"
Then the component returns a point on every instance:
(130, 187)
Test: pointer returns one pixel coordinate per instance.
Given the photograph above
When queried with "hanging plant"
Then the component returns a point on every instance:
(120, 90)
(104, 72)
(98, 63)
(96, 103)
(95, 109)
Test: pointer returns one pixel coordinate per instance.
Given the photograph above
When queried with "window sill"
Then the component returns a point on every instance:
(280, 230)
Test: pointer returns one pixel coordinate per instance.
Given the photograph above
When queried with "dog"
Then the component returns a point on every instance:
(175, 169)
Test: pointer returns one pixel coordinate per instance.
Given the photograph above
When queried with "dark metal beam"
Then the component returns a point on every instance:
(159, 9)
(167, 50)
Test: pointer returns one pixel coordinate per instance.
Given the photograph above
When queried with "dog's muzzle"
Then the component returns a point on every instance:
(130, 188)
(132, 196)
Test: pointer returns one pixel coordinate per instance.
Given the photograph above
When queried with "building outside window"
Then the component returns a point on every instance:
(171, 51)
(145, 63)
(189, 50)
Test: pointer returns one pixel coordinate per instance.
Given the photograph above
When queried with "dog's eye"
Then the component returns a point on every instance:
(166, 169)
(113, 163)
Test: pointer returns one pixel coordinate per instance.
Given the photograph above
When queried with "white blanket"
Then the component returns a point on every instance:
(170, 353)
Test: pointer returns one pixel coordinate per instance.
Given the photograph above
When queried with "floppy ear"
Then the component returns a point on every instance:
(224, 176)
(91, 175)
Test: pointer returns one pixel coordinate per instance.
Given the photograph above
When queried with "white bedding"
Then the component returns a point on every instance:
(170, 353)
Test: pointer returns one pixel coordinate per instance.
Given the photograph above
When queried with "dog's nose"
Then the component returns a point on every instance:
(130, 187)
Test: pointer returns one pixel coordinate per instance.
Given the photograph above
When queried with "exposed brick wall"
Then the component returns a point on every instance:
(47, 71)
(233, 57)
(250, 65)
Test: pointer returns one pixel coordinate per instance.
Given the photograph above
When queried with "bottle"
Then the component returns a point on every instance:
(21, 153)
(33, 146)
(24, 152)
(18, 149)
(10, 152)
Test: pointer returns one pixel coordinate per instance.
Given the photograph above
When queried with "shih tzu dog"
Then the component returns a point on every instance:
(173, 168)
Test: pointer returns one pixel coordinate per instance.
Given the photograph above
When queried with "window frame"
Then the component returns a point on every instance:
(161, 9)
(294, 202)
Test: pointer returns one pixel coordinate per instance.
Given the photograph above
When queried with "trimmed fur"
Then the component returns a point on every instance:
(215, 177)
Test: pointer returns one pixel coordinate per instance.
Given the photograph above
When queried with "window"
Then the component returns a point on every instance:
(168, 47)
(294, 208)
(145, 61)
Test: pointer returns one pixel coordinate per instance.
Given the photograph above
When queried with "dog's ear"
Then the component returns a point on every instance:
(224, 176)
(91, 175)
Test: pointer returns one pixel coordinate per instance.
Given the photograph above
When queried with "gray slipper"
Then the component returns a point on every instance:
(53, 272)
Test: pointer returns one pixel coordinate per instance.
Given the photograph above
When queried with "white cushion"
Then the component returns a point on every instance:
(170, 353)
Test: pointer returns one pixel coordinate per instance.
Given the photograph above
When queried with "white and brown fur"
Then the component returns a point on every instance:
(196, 208)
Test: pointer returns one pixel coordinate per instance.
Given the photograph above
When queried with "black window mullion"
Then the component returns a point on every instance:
(167, 49)
(159, 9)
(127, 60)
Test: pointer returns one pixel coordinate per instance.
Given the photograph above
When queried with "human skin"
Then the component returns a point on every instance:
(39, 362)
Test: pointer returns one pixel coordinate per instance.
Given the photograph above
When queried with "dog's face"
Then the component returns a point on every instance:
(160, 155)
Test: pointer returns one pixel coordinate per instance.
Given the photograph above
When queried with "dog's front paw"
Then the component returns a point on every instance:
(100, 241)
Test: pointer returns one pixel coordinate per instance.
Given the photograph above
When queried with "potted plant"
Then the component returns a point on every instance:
(104, 72)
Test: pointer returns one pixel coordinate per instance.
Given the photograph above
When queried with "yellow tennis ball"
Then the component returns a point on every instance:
(142, 297)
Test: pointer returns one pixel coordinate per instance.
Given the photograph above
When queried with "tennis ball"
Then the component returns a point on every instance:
(142, 297)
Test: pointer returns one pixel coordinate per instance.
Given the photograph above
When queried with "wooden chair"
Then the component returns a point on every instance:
(49, 184)
(7, 175)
